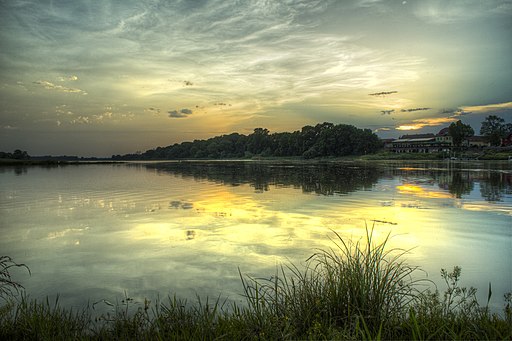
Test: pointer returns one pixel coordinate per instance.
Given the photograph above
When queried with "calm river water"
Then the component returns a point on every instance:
(102, 231)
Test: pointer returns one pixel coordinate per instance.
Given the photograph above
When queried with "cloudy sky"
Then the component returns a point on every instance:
(107, 77)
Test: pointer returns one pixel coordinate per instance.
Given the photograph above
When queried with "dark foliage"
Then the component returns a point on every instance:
(495, 129)
(16, 155)
(322, 140)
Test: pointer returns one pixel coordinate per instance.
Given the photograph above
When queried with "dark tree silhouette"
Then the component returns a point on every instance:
(495, 129)
(459, 132)
(324, 139)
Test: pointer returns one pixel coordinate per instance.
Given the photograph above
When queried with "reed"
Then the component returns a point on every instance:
(9, 287)
(351, 284)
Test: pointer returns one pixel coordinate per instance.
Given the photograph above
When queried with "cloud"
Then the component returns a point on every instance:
(387, 112)
(426, 122)
(414, 109)
(383, 93)
(60, 88)
(152, 110)
(489, 108)
(81, 120)
(453, 112)
(447, 12)
(180, 114)
(68, 78)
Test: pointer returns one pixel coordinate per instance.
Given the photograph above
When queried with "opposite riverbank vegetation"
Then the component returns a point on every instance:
(351, 291)
(487, 154)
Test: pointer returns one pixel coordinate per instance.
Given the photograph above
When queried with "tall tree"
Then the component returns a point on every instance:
(494, 128)
(459, 132)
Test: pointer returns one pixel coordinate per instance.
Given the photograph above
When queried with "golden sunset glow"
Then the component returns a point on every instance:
(409, 127)
(115, 77)
(422, 192)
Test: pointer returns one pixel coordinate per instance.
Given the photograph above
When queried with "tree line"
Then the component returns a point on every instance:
(16, 155)
(493, 128)
(322, 140)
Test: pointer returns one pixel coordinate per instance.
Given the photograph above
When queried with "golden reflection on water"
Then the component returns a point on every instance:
(233, 220)
(173, 230)
(421, 192)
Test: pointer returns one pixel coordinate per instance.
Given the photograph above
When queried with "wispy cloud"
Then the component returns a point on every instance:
(447, 12)
(383, 93)
(387, 112)
(487, 108)
(60, 88)
(241, 64)
(68, 78)
(81, 120)
(426, 122)
(153, 111)
(415, 109)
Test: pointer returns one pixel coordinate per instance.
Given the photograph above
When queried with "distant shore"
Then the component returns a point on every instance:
(15, 162)
(486, 155)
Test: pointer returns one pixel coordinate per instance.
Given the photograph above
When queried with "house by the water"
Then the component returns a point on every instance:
(431, 143)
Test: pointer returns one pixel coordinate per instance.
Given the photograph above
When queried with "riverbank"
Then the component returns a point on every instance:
(354, 291)
(489, 154)
(53, 162)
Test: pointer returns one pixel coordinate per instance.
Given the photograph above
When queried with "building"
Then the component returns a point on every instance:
(477, 142)
(423, 143)
(441, 142)
(507, 141)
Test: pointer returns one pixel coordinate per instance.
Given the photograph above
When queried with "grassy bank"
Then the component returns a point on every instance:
(485, 154)
(355, 290)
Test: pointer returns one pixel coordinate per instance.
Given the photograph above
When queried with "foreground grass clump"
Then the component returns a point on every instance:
(354, 290)
(353, 286)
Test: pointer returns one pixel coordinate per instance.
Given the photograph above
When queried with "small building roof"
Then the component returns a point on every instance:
(416, 136)
(425, 139)
(444, 132)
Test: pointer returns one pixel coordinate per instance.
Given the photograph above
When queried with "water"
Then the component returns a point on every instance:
(105, 231)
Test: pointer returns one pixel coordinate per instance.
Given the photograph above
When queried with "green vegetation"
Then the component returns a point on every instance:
(386, 155)
(495, 129)
(459, 132)
(16, 155)
(325, 139)
(354, 291)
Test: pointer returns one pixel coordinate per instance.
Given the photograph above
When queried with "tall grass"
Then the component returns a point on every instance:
(9, 287)
(339, 288)
(354, 290)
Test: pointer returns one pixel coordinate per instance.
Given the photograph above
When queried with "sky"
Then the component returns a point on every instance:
(96, 78)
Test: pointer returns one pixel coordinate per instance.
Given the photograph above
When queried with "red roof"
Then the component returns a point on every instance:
(444, 132)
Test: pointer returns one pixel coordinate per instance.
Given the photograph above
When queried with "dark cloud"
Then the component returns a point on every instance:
(387, 112)
(383, 93)
(222, 104)
(180, 114)
(453, 112)
(188, 83)
(414, 109)
(446, 111)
